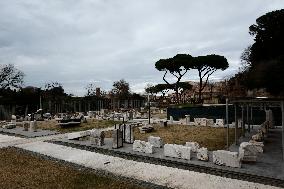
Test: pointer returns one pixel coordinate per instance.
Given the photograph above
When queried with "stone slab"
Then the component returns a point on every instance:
(227, 158)
(117, 138)
(142, 146)
(9, 126)
(177, 151)
(77, 135)
(155, 141)
(97, 137)
(33, 126)
(210, 122)
(202, 154)
(194, 146)
(200, 121)
(220, 122)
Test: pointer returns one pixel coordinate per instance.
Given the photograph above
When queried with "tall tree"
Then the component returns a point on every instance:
(266, 55)
(206, 66)
(10, 77)
(121, 89)
(268, 36)
(177, 67)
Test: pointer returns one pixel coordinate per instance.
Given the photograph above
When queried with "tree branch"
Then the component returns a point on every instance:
(164, 78)
(206, 81)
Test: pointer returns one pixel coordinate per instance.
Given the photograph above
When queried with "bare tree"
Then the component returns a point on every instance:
(10, 77)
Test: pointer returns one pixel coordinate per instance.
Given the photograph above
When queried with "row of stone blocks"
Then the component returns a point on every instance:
(171, 150)
(147, 147)
(209, 122)
(248, 152)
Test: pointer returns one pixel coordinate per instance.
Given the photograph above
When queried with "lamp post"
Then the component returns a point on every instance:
(149, 109)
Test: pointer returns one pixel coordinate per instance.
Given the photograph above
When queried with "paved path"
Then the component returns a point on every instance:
(161, 175)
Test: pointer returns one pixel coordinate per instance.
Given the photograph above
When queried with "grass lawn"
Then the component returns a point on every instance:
(91, 124)
(21, 170)
(209, 137)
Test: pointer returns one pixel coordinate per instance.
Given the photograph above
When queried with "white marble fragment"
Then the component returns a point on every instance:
(227, 158)
(202, 154)
(155, 141)
(220, 122)
(142, 146)
(194, 146)
(177, 151)
(33, 126)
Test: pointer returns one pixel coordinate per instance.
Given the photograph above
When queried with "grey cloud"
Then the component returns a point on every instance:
(77, 42)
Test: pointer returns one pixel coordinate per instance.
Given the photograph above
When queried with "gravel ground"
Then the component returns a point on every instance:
(157, 174)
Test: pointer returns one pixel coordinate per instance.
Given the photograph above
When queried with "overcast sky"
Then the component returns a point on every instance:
(77, 42)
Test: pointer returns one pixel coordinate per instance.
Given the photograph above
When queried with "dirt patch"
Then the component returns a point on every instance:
(21, 170)
(209, 137)
(91, 124)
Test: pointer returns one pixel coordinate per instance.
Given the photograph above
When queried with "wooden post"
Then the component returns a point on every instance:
(227, 121)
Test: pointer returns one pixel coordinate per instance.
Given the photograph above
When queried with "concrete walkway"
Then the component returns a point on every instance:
(157, 174)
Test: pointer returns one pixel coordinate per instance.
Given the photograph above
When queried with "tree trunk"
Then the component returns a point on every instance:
(177, 98)
(200, 88)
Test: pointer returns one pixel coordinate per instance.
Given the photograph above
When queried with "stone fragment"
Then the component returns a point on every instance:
(146, 129)
(77, 135)
(155, 141)
(9, 126)
(33, 126)
(194, 146)
(97, 137)
(258, 145)
(227, 158)
(187, 119)
(26, 126)
(209, 122)
(248, 152)
(128, 134)
(142, 146)
(200, 121)
(202, 154)
(117, 138)
(240, 123)
(177, 151)
(220, 122)
(13, 117)
(171, 120)
(163, 123)
(257, 137)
